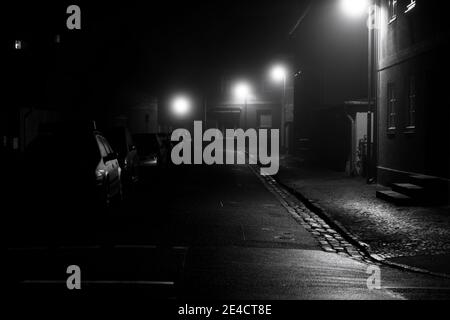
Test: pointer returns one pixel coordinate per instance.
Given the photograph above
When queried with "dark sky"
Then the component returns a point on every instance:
(180, 41)
(130, 49)
(167, 43)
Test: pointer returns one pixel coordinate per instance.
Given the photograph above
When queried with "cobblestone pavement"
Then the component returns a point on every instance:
(329, 239)
(409, 249)
(388, 230)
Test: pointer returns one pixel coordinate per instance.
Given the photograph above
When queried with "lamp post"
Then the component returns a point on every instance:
(372, 91)
(242, 91)
(279, 74)
(356, 8)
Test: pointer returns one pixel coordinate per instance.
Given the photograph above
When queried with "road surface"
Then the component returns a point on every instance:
(199, 232)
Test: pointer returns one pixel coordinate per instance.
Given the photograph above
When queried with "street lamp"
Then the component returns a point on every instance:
(354, 8)
(278, 74)
(181, 105)
(242, 91)
(358, 8)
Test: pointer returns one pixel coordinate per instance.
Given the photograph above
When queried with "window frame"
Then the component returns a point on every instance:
(267, 113)
(109, 149)
(392, 10)
(409, 7)
(101, 146)
(391, 108)
(412, 104)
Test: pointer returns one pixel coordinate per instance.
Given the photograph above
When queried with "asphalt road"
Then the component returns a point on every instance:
(199, 232)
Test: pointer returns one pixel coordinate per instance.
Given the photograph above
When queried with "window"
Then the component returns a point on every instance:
(265, 120)
(412, 103)
(108, 148)
(392, 106)
(392, 10)
(103, 151)
(18, 44)
(410, 6)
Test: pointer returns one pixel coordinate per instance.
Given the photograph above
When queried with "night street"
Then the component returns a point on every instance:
(238, 242)
(199, 153)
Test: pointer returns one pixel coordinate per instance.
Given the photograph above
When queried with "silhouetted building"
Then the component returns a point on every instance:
(267, 106)
(330, 68)
(43, 71)
(139, 114)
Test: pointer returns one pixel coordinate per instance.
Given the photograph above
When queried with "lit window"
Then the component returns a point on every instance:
(412, 103)
(410, 6)
(392, 10)
(392, 107)
(18, 44)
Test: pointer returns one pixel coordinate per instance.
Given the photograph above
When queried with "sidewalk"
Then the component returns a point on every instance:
(418, 237)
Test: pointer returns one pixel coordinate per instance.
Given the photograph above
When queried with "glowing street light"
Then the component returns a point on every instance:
(181, 105)
(354, 8)
(278, 73)
(242, 90)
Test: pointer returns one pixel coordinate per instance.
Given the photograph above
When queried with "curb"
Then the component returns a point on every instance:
(365, 248)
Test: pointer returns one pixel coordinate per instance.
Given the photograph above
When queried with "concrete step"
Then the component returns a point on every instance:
(426, 181)
(410, 190)
(395, 198)
(436, 190)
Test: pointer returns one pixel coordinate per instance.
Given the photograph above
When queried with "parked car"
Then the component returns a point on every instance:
(122, 142)
(151, 150)
(73, 167)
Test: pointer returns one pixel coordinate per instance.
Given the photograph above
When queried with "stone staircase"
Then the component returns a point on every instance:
(420, 190)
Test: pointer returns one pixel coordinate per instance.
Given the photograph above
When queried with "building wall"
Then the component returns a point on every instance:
(411, 47)
(264, 104)
(229, 115)
(143, 118)
(331, 68)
